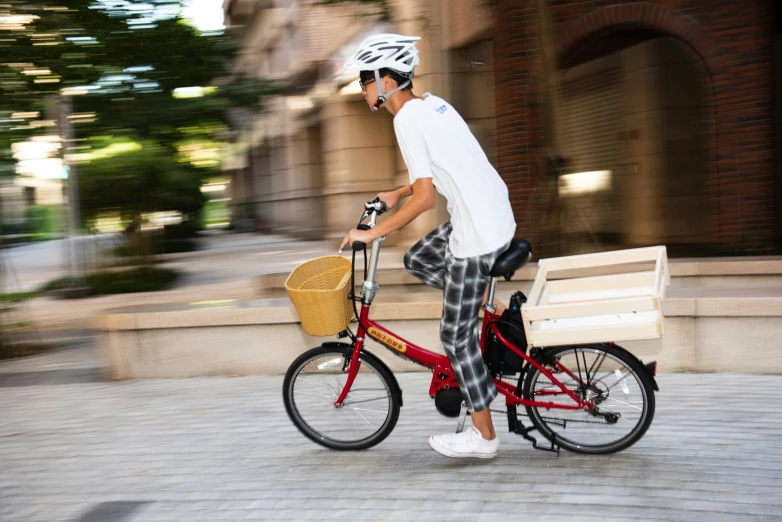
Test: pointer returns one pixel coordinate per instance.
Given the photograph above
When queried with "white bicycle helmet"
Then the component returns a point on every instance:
(385, 51)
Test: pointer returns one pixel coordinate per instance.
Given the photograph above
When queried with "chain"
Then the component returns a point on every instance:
(551, 418)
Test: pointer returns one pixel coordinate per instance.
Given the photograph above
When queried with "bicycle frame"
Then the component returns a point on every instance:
(443, 377)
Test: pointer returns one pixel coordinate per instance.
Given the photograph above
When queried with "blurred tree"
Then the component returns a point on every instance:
(142, 178)
(133, 69)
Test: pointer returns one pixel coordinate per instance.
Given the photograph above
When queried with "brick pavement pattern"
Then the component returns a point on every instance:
(73, 448)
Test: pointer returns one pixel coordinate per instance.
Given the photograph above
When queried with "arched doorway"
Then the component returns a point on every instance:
(634, 128)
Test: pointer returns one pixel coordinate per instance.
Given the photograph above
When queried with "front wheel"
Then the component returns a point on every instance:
(608, 376)
(367, 416)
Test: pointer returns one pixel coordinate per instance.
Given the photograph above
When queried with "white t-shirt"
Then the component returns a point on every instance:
(437, 143)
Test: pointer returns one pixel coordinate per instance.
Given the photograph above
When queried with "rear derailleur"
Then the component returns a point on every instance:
(596, 396)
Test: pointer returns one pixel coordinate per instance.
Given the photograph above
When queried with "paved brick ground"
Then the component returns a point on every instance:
(73, 448)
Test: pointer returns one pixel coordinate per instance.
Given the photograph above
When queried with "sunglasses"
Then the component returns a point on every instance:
(364, 83)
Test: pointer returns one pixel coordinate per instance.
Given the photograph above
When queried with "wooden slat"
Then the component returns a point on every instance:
(537, 285)
(635, 255)
(596, 296)
(612, 306)
(597, 321)
(604, 282)
(594, 335)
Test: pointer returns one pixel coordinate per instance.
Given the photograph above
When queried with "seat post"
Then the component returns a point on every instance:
(489, 304)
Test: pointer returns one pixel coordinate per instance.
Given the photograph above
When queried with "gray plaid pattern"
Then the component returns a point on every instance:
(463, 282)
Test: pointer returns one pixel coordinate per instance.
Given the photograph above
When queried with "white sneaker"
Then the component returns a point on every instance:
(467, 444)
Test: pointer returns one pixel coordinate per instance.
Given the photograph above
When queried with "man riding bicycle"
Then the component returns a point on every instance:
(441, 153)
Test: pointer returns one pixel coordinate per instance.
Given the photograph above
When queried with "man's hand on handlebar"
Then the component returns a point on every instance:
(364, 236)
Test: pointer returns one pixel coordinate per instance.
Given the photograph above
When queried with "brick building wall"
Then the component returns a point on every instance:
(734, 40)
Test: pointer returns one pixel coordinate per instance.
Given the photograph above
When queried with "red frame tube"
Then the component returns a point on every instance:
(443, 376)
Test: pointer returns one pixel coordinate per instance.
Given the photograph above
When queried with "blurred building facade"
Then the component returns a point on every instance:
(664, 118)
(318, 152)
(685, 126)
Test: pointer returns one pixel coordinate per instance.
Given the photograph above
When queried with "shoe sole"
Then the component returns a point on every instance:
(455, 455)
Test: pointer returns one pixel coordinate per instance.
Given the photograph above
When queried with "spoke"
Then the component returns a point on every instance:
(367, 409)
(601, 358)
(617, 381)
(365, 400)
(317, 382)
(328, 387)
(584, 358)
(625, 403)
(365, 419)
(297, 392)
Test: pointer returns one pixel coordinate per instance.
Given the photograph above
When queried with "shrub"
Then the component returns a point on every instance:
(139, 279)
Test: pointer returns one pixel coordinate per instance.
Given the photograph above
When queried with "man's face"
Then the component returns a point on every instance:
(369, 89)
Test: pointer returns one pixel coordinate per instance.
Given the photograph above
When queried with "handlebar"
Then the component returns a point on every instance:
(375, 207)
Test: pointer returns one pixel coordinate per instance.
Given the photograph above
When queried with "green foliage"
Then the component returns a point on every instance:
(129, 57)
(140, 279)
(42, 220)
(214, 213)
(16, 297)
(139, 181)
(169, 246)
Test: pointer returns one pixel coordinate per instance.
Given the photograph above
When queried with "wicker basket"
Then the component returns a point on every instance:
(319, 290)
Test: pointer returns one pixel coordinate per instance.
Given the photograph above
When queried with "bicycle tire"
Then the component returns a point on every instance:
(367, 360)
(543, 421)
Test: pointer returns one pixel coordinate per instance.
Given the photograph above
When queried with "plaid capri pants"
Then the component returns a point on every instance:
(463, 282)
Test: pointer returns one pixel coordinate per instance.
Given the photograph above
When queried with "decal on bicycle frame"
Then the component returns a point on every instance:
(386, 339)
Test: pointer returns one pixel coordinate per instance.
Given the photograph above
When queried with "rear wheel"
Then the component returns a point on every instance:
(367, 416)
(609, 377)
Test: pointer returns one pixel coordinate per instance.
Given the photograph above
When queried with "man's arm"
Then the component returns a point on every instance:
(423, 198)
(393, 197)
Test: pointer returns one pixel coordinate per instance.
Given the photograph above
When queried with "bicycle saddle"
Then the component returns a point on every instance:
(515, 257)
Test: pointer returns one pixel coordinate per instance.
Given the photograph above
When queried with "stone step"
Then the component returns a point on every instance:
(718, 272)
(723, 329)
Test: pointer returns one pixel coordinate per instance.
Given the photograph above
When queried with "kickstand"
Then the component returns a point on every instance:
(462, 417)
(516, 426)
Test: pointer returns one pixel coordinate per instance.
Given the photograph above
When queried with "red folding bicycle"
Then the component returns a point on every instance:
(594, 399)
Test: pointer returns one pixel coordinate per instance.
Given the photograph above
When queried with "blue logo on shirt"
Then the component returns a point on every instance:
(442, 109)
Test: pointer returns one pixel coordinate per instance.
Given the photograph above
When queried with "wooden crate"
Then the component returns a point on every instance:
(618, 306)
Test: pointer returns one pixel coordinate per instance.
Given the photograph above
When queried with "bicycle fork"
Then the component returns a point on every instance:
(353, 362)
